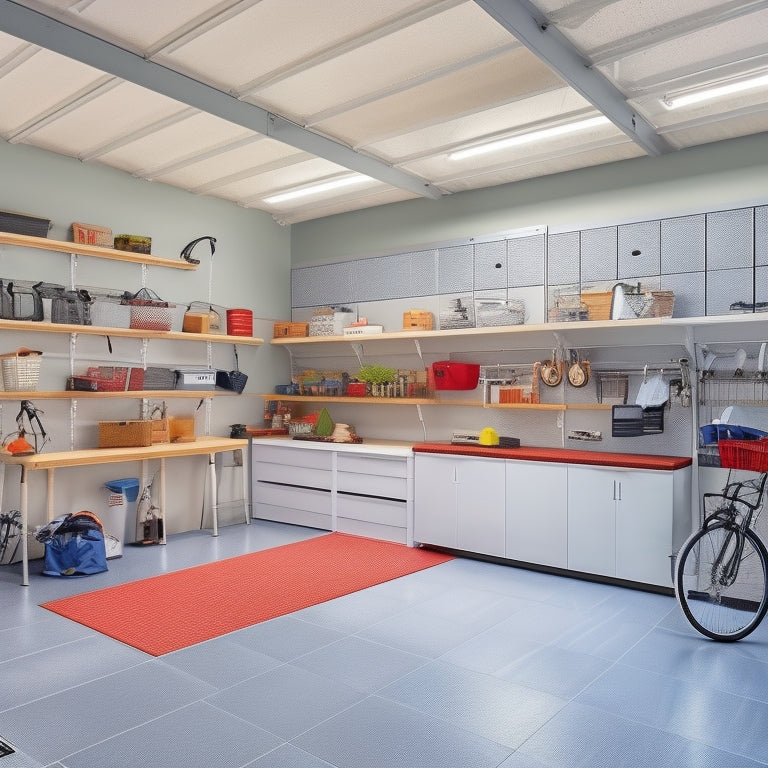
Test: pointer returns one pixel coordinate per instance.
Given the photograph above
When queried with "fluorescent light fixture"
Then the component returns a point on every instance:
(315, 189)
(685, 98)
(529, 138)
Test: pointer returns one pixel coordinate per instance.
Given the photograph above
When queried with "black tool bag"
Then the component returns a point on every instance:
(68, 307)
(232, 380)
(25, 301)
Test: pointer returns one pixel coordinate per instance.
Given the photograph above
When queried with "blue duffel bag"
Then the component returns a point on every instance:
(74, 545)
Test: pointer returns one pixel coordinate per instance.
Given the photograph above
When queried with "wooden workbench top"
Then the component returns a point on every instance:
(200, 446)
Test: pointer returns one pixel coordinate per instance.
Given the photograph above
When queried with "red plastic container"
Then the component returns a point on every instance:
(450, 375)
(239, 322)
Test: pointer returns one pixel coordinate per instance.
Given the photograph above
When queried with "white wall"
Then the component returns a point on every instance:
(251, 269)
(715, 176)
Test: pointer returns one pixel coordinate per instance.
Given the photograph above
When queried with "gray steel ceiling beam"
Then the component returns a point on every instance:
(532, 28)
(36, 28)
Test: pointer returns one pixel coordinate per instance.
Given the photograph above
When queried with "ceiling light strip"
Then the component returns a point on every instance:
(315, 189)
(531, 137)
(685, 98)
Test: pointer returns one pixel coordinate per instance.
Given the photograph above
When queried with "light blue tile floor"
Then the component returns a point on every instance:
(467, 664)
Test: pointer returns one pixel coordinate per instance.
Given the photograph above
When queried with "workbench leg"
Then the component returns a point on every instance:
(50, 512)
(162, 498)
(24, 543)
(214, 497)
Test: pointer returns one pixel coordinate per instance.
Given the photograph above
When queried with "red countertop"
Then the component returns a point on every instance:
(563, 455)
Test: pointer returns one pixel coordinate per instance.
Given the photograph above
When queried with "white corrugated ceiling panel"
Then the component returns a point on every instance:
(504, 79)
(37, 85)
(118, 110)
(383, 64)
(272, 35)
(193, 133)
(498, 121)
(250, 157)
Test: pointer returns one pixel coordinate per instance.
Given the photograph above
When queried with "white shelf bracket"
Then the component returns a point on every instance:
(417, 344)
(357, 347)
(421, 419)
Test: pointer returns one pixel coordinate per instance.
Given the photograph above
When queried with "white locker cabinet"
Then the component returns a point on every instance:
(537, 513)
(621, 523)
(459, 503)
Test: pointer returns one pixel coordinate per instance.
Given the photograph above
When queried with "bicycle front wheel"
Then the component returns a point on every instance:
(722, 581)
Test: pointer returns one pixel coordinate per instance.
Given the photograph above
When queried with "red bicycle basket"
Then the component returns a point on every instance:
(744, 454)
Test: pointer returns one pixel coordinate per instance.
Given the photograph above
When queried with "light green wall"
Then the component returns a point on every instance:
(721, 175)
(252, 260)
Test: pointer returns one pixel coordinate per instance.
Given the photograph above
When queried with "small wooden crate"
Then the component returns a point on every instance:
(160, 431)
(599, 305)
(417, 320)
(125, 434)
(283, 330)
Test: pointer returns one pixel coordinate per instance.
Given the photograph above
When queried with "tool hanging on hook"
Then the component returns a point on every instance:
(186, 251)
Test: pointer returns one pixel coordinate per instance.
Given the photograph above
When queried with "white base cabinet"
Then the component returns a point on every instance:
(615, 522)
(537, 513)
(626, 523)
(460, 503)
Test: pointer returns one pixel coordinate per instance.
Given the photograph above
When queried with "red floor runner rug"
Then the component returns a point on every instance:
(175, 610)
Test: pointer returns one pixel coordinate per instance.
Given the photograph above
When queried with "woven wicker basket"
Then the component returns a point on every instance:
(21, 370)
(125, 434)
(284, 330)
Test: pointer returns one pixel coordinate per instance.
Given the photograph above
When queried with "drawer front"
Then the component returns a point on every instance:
(395, 466)
(295, 457)
(371, 510)
(292, 497)
(298, 476)
(373, 485)
(292, 516)
(372, 530)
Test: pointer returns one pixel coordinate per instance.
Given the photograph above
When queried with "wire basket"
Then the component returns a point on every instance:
(21, 370)
(744, 454)
(496, 312)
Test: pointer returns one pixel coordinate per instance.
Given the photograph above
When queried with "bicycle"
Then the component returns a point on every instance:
(721, 572)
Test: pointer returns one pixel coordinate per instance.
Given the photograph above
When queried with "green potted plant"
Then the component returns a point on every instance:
(376, 377)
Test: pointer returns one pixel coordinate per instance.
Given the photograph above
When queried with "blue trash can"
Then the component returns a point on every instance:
(121, 494)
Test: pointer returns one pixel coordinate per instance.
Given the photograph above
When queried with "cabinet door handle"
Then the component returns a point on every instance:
(617, 494)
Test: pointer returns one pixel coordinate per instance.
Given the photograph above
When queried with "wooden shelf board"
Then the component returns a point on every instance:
(135, 333)
(62, 246)
(149, 394)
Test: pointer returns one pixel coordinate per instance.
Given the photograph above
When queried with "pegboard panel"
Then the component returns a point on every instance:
(761, 236)
(563, 258)
(726, 286)
(690, 293)
(525, 261)
(730, 239)
(323, 285)
(683, 244)
(639, 249)
(455, 269)
(599, 254)
(490, 261)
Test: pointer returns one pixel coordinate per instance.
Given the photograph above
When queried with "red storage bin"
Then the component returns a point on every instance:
(239, 322)
(450, 375)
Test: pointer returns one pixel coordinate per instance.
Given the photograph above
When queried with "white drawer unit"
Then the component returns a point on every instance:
(357, 489)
